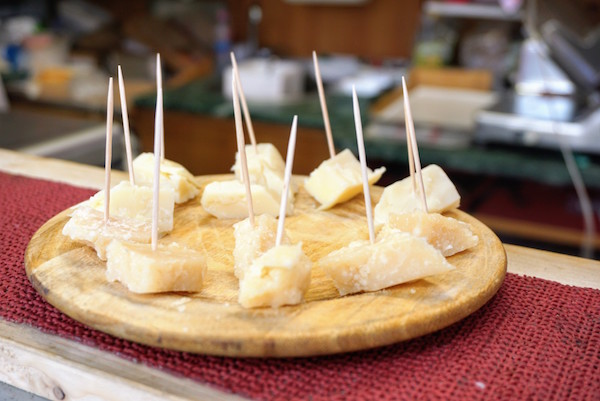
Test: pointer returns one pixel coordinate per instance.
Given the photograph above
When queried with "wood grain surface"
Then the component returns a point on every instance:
(72, 278)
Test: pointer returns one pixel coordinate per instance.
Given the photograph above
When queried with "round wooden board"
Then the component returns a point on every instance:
(72, 278)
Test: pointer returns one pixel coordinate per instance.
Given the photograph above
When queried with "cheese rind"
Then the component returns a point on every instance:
(393, 259)
(87, 226)
(172, 175)
(338, 179)
(446, 234)
(134, 202)
(399, 197)
(227, 200)
(252, 242)
(266, 167)
(143, 271)
(280, 276)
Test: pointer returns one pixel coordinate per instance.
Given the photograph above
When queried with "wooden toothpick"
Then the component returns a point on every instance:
(289, 162)
(323, 105)
(414, 150)
(108, 151)
(363, 164)
(126, 131)
(235, 72)
(159, 104)
(156, 179)
(241, 144)
(411, 160)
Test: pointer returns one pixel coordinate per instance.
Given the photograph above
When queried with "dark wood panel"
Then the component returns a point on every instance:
(206, 145)
(375, 30)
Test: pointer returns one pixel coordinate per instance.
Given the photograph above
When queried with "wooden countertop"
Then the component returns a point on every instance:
(46, 364)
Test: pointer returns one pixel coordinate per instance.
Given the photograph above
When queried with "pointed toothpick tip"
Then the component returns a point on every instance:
(323, 102)
(108, 149)
(409, 147)
(414, 150)
(126, 130)
(158, 138)
(235, 72)
(289, 162)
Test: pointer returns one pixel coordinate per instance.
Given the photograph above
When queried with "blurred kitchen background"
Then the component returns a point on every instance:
(505, 94)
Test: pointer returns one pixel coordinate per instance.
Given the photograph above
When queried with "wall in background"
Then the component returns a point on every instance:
(375, 30)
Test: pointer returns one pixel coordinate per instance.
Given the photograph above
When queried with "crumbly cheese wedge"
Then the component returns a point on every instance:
(338, 179)
(399, 197)
(143, 270)
(252, 242)
(267, 168)
(227, 200)
(393, 259)
(134, 202)
(446, 234)
(265, 156)
(87, 226)
(172, 175)
(278, 277)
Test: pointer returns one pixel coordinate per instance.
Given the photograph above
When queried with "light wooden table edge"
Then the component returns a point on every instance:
(63, 359)
(57, 368)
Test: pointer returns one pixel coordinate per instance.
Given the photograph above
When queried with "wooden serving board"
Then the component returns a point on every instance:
(72, 278)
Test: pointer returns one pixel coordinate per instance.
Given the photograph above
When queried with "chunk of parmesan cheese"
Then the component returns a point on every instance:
(134, 202)
(143, 270)
(399, 197)
(265, 156)
(446, 234)
(87, 226)
(227, 200)
(252, 242)
(280, 276)
(172, 175)
(267, 168)
(338, 179)
(393, 259)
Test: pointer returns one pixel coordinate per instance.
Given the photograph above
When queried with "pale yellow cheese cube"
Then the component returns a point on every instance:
(265, 156)
(399, 197)
(446, 234)
(280, 276)
(393, 259)
(227, 200)
(267, 168)
(143, 270)
(87, 226)
(338, 179)
(251, 242)
(172, 175)
(134, 202)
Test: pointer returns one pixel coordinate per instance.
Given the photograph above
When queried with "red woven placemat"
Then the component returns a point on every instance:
(535, 339)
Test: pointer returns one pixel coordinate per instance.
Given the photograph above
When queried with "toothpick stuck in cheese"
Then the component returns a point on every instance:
(271, 272)
(153, 268)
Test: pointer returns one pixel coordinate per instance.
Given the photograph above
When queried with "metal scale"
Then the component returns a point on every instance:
(556, 98)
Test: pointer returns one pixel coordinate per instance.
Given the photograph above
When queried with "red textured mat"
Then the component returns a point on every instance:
(534, 340)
